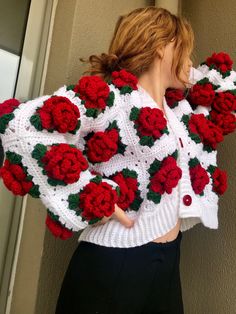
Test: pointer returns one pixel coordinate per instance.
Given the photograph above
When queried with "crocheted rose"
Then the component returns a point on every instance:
(6, 112)
(219, 178)
(57, 113)
(150, 124)
(227, 121)
(124, 80)
(220, 61)
(201, 94)
(173, 96)
(62, 163)
(94, 93)
(97, 200)
(15, 176)
(165, 176)
(129, 193)
(56, 228)
(203, 130)
(198, 176)
(101, 146)
(8, 106)
(224, 102)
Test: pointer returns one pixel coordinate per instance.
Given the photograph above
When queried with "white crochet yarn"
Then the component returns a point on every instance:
(151, 220)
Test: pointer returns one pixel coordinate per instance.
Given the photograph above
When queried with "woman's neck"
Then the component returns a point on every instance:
(152, 85)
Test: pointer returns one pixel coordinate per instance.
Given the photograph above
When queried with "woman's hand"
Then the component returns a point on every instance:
(118, 214)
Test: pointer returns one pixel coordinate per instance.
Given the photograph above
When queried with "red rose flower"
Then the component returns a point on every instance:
(102, 145)
(14, 178)
(227, 121)
(60, 113)
(201, 94)
(93, 90)
(57, 229)
(128, 187)
(8, 106)
(167, 177)
(224, 102)
(63, 162)
(151, 122)
(173, 96)
(199, 178)
(209, 133)
(219, 181)
(124, 78)
(97, 200)
(221, 61)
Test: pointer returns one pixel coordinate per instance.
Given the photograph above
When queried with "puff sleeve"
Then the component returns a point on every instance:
(213, 92)
(44, 155)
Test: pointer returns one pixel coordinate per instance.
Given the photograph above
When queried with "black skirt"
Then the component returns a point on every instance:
(138, 280)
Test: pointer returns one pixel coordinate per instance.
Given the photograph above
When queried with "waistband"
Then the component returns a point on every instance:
(168, 243)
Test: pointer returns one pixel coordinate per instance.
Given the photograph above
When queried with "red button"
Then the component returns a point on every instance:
(187, 199)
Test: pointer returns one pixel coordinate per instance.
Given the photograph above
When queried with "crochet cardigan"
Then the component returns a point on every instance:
(97, 143)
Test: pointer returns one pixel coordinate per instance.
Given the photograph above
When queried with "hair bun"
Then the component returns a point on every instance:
(110, 62)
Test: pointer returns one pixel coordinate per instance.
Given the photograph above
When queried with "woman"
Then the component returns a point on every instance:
(155, 46)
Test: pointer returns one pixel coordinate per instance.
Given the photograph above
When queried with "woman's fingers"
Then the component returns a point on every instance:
(122, 217)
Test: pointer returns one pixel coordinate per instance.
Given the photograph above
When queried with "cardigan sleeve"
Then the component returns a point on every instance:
(213, 93)
(45, 157)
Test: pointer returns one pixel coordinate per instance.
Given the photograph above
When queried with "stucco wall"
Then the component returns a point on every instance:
(208, 262)
(208, 256)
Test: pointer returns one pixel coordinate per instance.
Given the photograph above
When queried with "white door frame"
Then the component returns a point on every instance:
(30, 84)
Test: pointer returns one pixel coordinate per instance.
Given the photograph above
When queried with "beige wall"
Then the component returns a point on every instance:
(207, 256)
(208, 262)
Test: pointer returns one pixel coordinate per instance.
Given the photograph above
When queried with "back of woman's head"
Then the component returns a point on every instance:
(137, 39)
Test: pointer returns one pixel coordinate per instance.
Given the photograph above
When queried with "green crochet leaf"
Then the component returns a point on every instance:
(121, 148)
(195, 137)
(93, 221)
(193, 162)
(73, 200)
(4, 120)
(134, 113)
(166, 131)
(70, 87)
(127, 173)
(126, 89)
(211, 169)
(55, 182)
(92, 112)
(39, 151)
(207, 148)
(185, 119)
(118, 190)
(110, 100)
(175, 154)
(34, 191)
(36, 122)
(135, 205)
(155, 197)
(155, 166)
(112, 125)
(146, 140)
(14, 158)
(97, 179)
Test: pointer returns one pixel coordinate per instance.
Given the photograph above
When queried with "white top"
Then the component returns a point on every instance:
(157, 214)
